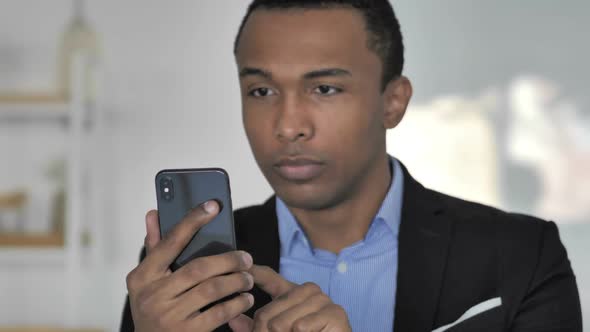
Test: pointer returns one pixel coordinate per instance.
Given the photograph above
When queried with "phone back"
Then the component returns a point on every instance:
(181, 190)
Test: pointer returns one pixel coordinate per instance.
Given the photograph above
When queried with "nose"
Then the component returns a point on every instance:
(293, 122)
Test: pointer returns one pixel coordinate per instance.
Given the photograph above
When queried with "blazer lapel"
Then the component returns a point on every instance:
(257, 232)
(424, 239)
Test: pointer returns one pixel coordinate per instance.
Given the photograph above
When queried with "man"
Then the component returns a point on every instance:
(350, 241)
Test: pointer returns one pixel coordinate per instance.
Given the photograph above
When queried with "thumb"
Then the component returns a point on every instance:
(242, 323)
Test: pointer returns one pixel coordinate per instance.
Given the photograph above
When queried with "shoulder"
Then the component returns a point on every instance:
(479, 216)
(521, 257)
(528, 248)
(513, 237)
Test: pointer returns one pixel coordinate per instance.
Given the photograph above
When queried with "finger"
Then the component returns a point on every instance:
(152, 230)
(331, 317)
(166, 251)
(242, 323)
(285, 320)
(269, 281)
(286, 301)
(137, 278)
(204, 268)
(221, 313)
(210, 291)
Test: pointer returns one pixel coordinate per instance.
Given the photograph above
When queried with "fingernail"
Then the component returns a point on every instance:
(247, 259)
(249, 297)
(210, 207)
(250, 278)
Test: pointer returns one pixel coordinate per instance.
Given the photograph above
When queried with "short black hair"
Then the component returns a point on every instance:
(385, 37)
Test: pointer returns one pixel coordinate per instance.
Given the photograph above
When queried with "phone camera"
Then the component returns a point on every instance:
(167, 189)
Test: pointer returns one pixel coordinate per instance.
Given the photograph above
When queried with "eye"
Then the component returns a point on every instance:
(327, 90)
(261, 92)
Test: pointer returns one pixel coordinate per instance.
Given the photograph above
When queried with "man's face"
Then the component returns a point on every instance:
(312, 102)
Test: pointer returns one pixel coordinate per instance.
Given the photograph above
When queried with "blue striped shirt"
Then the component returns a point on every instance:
(363, 277)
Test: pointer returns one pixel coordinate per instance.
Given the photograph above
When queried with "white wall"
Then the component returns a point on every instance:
(173, 101)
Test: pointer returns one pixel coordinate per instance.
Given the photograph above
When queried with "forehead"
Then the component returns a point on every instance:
(305, 38)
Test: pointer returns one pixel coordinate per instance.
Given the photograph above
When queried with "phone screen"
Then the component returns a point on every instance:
(179, 191)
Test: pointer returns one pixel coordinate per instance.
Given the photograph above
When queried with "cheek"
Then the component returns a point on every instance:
(258, 130)
(352, 129)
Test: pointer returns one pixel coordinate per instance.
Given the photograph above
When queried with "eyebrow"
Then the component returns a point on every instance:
(248, 71)
(327, 72)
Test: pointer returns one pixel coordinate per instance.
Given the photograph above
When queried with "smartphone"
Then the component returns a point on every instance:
(181, 190)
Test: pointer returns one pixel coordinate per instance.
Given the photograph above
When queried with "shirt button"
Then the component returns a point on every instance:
(342, 267)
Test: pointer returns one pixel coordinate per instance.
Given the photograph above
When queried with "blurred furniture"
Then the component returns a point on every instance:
(64, 260)
(12, 206)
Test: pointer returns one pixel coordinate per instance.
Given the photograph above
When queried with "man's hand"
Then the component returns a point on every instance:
(294, 308)
(164, 301)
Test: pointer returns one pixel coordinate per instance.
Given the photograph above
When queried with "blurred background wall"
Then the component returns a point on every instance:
(500, 116)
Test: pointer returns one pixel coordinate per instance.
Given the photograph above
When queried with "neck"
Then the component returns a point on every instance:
(338, 227)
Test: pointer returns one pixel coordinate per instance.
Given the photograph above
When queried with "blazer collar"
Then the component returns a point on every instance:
(424, 238)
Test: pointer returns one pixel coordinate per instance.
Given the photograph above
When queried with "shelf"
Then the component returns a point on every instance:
(26, 108)
(53, 240)
(62, 255)
(32, 98)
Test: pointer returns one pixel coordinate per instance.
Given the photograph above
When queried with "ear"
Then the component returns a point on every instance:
(396, 97)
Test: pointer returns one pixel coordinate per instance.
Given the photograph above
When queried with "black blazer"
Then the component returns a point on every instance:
(453, 255)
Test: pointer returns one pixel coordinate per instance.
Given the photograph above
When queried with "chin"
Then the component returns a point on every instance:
(300, 197)
(319, 193)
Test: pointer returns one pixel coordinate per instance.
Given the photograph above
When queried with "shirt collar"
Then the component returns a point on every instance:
(289, 228)
(390, 210)
(390, 213)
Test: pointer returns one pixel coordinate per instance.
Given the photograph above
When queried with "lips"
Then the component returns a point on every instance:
(299, 169)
